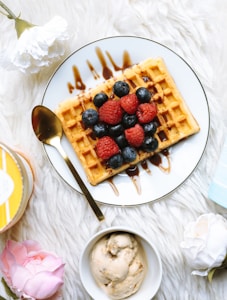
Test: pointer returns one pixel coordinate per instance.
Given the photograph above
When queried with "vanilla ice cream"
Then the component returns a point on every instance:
(118, 264)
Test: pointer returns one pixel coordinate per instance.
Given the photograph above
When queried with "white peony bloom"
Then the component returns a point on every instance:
(205, 243)
(40, 46)
(37, 46)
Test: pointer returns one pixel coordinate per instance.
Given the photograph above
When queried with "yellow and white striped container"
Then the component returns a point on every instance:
(16, 185)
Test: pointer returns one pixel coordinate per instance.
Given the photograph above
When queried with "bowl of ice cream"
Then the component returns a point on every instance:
(119, 263)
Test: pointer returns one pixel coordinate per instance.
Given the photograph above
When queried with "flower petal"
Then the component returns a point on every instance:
(17, 250)
(19, 276)
(52, 262)
(6, 258)
(39, 46)
(205, 242)
(38, 264)
(43, 285)
(31, 245)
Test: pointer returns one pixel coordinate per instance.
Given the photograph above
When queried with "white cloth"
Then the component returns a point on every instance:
(57, 216)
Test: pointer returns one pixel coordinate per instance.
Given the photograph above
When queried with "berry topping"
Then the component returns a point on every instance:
(116, 130)
(100, 99)
(115, 161)
(150, 144)
(129, 103)
(150, 128)
(110, 112)
(121, 141)
(129, 154)
(135, 135)
(146, 112)
(90, 117)
(129, 120)
(106, 147)
(121, 88)
(100, 129)
(123, 125)
(143, 95)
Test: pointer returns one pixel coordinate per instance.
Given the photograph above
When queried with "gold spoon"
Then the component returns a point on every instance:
(48, 129)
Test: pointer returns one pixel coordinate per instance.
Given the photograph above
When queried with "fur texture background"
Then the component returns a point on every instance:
(57, 216)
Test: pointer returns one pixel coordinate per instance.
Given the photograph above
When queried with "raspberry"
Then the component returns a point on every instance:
(106, 147)
(110, 112)
(146, 112)
(129, 103)
(135, 135)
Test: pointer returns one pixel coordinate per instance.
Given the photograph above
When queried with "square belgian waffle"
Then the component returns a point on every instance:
(175, 121)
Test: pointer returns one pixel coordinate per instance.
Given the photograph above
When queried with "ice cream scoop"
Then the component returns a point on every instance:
(118, 264)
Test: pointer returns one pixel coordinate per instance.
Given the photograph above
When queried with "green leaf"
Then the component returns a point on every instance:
(211, 274)
(8, 290)
(21, 26)
(222, 266)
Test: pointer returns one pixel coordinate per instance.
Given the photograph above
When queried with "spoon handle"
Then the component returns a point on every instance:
(56, 143)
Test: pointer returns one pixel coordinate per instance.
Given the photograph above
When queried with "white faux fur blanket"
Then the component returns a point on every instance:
(57, 216)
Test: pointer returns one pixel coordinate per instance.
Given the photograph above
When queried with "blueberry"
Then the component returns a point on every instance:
(100, 99)
(121, 141)
(115, 161)
(150, 128)
(129, 154)
(100, 129)
(129, 120)
(90, 117)
(150, 144)
(116, 130)
(121, 88)
(143, 95)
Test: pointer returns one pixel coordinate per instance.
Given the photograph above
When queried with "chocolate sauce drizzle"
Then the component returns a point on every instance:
(113, 186)
(107, 73)
(134, 172)
(93, 71)
(157, 160)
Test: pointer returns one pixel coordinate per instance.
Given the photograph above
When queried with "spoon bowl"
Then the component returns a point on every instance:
(46, 124)
(48, 129)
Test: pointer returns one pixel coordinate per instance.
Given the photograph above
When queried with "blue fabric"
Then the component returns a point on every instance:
(218, 188)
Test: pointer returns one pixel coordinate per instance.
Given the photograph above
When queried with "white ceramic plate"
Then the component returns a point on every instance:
(184, 156)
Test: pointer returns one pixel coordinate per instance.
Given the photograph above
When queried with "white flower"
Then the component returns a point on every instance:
(37, 46)
(205, 243)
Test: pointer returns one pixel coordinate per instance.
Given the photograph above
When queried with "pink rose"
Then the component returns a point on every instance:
(30, 271)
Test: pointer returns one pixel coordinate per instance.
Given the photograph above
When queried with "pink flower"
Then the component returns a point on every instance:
(30, 271)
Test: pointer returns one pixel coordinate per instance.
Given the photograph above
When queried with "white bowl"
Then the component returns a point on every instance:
(153, 277)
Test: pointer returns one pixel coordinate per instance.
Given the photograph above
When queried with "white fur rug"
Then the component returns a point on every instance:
(57, 216)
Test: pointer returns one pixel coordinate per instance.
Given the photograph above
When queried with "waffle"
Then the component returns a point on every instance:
(175, 121)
